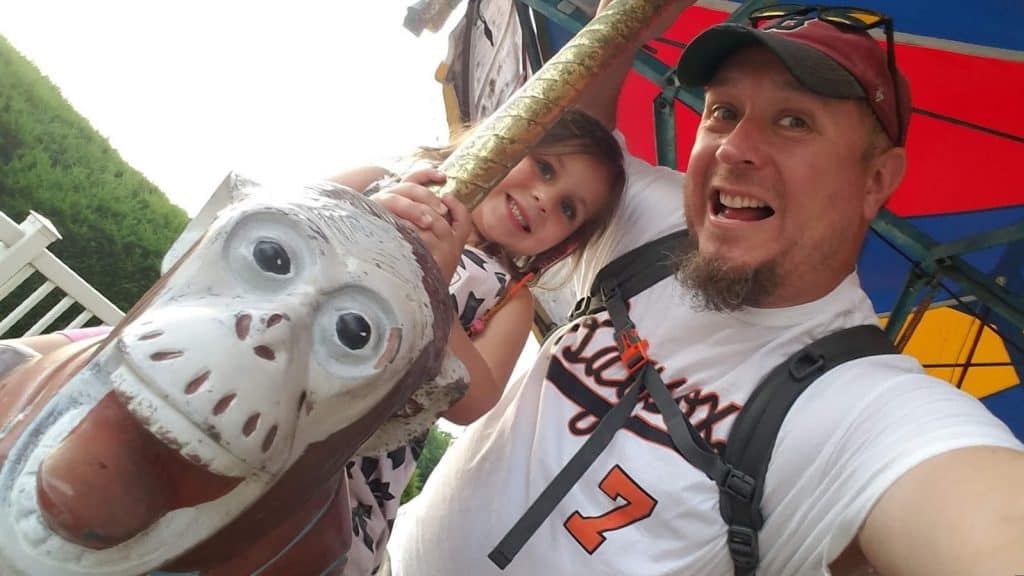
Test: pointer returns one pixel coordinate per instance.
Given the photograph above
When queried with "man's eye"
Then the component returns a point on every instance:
(545, 169)
(723, 113)
(568, 208)
(794, 123)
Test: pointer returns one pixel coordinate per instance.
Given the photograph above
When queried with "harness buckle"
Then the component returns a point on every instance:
(738, 484)
(633, 350)
(742, 542)
(805, 364)
(581, 307)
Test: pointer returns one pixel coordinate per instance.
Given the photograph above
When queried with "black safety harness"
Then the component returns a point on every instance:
(739, 471)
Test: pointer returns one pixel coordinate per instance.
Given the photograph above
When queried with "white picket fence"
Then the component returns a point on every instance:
(23, 253)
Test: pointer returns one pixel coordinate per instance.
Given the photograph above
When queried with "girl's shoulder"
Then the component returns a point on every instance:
(480, 272)
(479, 283)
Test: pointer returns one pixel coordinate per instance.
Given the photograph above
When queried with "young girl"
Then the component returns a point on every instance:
(548, 206)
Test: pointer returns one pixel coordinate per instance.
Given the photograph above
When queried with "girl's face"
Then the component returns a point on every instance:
(544, 199)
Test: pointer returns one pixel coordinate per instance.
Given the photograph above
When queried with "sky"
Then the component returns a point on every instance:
(188, 90)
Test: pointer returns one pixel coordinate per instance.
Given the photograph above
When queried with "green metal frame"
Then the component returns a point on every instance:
(932, 260)
(573, 19)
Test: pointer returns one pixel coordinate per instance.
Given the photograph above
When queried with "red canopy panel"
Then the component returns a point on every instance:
(953, 167)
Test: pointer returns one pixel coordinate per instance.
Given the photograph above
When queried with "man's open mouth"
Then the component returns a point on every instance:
(739, 207)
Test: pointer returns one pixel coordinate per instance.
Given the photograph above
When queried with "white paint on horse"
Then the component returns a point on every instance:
(291, 318)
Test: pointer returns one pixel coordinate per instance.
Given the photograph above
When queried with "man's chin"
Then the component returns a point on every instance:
(718, 285)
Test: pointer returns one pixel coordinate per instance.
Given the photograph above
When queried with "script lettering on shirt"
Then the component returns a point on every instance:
(587, 370)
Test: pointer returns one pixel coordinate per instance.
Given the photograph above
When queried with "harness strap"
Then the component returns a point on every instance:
(633, 272)
(687, 441)
(567, 477)
(754, 432)
(305, 530)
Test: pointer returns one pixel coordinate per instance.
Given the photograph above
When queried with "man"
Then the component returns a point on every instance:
(877, 464)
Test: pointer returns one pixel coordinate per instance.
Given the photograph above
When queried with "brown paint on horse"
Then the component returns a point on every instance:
(110, 458)
(25, 392)
(110, 453)
(122, 479)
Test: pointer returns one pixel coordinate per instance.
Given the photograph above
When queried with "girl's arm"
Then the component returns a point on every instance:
(443, 225)
(601, 97)
(491, 357)
(42, 344)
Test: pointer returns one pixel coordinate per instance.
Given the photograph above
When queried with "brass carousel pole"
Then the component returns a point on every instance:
(502, 140)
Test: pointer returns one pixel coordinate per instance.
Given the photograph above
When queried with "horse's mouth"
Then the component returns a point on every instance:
(111, 478)
(174, 429)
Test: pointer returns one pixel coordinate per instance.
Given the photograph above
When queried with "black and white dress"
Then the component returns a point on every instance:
(376, 483)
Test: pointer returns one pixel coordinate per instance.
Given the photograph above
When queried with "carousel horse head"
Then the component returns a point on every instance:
(287, 332)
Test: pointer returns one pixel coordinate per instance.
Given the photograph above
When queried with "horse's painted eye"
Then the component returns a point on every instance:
(353, 330)
(272, 257)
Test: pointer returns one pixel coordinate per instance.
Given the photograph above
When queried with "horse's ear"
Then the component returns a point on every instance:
(233, 188)
(13, 354)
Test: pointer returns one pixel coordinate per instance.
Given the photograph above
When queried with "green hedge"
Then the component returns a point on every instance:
(115, 224)
(435, 446)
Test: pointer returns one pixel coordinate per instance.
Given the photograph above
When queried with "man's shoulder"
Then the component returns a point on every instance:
(890, 376)
(889, 399)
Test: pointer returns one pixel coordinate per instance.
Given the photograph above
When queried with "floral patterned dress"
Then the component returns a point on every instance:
(376, 483)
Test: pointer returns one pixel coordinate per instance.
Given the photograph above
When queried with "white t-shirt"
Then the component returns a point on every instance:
(641, 508)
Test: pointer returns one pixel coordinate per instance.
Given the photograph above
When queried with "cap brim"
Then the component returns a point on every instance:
(811, 67)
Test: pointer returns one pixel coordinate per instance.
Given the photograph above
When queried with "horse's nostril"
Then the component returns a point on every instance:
(268, 440)
(151, 335)
(242, 324)
(250, 425)
(166, 355)
(223, 404)
(265, 352)
(276, 319)
(197, 382)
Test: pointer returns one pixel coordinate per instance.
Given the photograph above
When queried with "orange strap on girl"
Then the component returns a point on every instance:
(477, 326)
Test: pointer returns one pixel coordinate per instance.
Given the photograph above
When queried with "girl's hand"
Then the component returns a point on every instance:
(443, 224)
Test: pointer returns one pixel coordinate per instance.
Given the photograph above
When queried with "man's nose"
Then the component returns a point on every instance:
(744, 145)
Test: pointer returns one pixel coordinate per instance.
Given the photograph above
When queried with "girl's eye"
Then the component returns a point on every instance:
(794, 123)
(568, 208)
(545, 169)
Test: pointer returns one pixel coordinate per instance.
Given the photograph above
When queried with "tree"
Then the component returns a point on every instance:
(434, 447)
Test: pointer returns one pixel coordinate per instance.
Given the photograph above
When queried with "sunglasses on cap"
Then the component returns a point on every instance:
(841, 16)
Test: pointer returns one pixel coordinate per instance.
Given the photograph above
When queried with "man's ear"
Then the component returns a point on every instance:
(887, 171)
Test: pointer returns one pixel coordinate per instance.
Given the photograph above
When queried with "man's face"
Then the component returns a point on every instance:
(777, 180)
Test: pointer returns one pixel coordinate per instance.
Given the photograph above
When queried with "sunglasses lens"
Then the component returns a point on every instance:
(777, 11)
(862, 19)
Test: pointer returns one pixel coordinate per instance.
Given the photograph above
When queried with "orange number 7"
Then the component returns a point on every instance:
(589, 530)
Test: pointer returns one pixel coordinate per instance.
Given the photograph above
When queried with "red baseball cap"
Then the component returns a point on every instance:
(833, 61)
